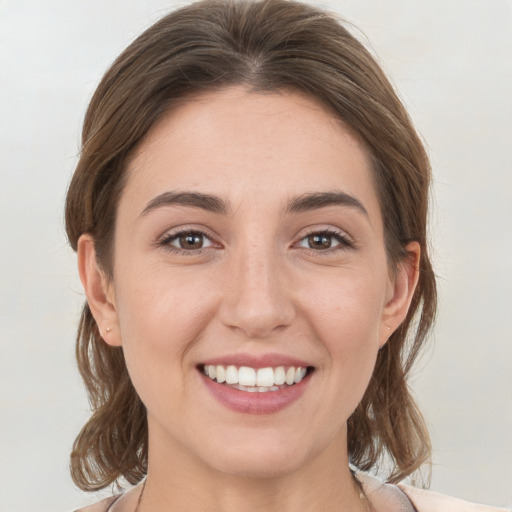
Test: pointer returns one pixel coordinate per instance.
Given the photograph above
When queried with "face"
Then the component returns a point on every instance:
(249, 247)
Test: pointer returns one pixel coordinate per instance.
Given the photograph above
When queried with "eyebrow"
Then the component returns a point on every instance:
(211, 203)
(316, 200)
(192, 199)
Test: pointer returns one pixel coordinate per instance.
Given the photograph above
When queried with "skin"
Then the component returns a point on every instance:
(257, 286)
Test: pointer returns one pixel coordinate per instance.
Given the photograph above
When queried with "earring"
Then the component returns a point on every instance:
(108, 329)
(387, 339)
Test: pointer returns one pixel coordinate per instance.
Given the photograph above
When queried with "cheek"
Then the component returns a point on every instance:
(347, 308)
(346, 316)
(161, 306)
(160, 319)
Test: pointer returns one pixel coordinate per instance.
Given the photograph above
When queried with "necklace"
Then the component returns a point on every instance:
(362, 495)
(140, 496)
(367, 504)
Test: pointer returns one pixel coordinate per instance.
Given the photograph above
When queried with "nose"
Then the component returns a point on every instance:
(257, 299)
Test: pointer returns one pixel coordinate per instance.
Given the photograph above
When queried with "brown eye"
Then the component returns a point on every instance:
(187, 241)
(319, 241)
(325, 241)
(191, 241)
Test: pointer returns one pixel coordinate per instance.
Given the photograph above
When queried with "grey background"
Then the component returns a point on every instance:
(451, 61)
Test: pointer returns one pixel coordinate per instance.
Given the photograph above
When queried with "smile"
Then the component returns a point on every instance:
(252, 385)
(261, 380)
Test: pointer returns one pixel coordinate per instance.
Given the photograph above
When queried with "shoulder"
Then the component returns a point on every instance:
(429, 501)
(101, 506)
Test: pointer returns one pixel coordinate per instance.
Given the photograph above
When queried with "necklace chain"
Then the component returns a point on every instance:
(140, 496)
(362, 495)
(367, 504)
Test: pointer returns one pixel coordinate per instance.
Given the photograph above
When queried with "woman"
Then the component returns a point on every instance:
(249, 213)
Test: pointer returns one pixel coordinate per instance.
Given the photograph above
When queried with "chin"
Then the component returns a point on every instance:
(258, 456)
(258, 466)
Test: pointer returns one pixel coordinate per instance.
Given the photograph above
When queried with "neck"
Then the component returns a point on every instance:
(178, 482)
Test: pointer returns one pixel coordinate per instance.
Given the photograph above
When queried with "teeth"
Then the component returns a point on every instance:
(265, 377)
(300, 373)
(221, 374)
(290, 376)
(279, 376)
(247, 376)
(231, 375)
(253, 380)
(255, 389)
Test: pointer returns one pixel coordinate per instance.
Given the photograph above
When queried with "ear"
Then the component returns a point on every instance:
(99, 291)
(402, 288)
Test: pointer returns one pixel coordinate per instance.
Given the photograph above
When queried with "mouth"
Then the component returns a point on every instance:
(256, 380)
(258, 389)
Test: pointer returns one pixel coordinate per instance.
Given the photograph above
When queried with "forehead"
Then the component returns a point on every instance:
(239, 144)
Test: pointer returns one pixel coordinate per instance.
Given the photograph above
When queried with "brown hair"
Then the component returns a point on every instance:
(267, 45)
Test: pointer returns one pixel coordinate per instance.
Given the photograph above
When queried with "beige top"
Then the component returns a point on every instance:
(429, 501)
(383, 497)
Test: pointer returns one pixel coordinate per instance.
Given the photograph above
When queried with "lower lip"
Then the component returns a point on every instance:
(256, 403)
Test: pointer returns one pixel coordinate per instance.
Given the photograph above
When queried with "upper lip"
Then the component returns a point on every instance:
(256, 361)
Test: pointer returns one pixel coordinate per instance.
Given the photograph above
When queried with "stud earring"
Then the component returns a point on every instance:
(108, 329)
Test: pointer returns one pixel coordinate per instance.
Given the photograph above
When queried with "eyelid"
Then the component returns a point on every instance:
(164, 240)
(346, 242)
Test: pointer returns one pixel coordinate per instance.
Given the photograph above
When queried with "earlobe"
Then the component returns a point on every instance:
(402, 291)
(98, 291)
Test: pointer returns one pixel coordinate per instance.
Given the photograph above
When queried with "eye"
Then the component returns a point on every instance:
(325, 240)
(188, 241)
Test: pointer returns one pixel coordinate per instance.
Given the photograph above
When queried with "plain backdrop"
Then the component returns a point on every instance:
(451, 61)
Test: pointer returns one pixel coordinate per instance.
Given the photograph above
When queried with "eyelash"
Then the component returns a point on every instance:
(344, 242)
(165, 242)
